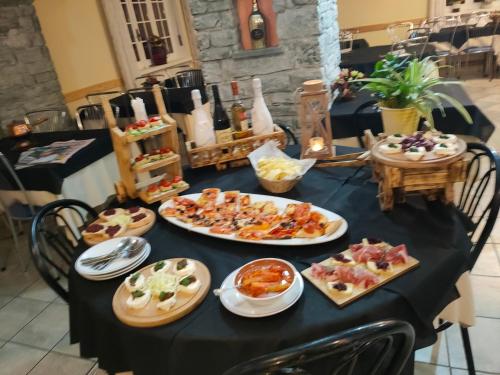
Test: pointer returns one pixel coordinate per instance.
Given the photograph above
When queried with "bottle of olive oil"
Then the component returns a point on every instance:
(257, 26)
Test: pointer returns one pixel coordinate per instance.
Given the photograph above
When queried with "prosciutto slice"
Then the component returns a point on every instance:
(363, 254)
(354, 275)
(322, 272)
(397, 255)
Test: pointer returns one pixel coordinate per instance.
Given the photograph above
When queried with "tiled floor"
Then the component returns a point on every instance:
(34, 321)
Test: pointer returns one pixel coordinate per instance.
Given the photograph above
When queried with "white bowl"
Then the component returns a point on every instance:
(268, 298)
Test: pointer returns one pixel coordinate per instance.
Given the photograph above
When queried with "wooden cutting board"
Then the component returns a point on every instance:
(150, 316)
(129, 232)
(358, 292)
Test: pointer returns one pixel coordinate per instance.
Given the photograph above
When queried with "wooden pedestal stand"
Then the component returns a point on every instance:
(167, 135)
(432, 176)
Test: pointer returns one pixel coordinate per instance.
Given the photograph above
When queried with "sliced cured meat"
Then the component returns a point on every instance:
(397, 255)
(302, 213)
(322, 272)
(365, 253)
(365, 278)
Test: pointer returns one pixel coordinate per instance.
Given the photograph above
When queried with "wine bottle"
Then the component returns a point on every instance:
(262, 122)
(238, 111)
(203, 131)
(222, 126)
(257, 27)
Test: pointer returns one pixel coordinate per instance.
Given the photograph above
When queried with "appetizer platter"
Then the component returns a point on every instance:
(254, 218)
(263, 287)
(353, 273)
(161, 292)
(154, 159)
(419, 150)
(119, 222)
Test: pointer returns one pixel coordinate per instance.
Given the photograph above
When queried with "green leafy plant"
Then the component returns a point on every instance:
(407, 83)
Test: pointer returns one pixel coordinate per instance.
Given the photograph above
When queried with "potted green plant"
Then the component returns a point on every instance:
(403, 88)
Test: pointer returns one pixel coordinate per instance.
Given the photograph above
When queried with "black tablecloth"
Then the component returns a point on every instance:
(364, 59)
(211, 339)
(460, 37)
(50, 177)
(345, 125)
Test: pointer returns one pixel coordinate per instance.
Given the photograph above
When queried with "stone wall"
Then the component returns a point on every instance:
(27, 77)
(308, 49)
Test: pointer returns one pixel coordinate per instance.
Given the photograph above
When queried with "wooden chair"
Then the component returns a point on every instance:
(48, 120)
(15, 211)
(54, 236)
(479, 203)
(390, 344)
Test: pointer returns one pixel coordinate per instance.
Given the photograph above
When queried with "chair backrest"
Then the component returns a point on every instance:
(91, 116)
(389, 343)
(291, 138)
(399, 31)
(54, 235)
(9, 180)
(95, 97)
(48, 120)
(418, 38)
(346, 41)
(479, 198)
(481, 34)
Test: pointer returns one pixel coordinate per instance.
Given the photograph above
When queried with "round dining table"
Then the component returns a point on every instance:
(211, 339)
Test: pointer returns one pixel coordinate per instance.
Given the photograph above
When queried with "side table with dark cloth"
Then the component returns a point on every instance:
(50, 177)
(212, 339)
(364, 59)
(445, 34)
(345, 125)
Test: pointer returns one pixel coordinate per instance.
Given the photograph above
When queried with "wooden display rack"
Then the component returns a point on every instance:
(433, 176)
(232, 154)
(167, 135)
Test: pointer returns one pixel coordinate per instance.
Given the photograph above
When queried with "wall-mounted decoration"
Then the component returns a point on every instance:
(257, 21)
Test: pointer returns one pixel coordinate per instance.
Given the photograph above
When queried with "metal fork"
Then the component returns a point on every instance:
(122, 246)
(131, 252)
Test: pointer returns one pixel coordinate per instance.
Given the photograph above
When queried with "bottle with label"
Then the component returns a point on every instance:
(262, 122)
(203, 131)
(222, 126)
(238, 111)
(257, 26)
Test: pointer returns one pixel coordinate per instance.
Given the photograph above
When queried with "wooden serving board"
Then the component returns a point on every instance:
(359, 292)
(150, 316)
(430, 159)
(129, 232)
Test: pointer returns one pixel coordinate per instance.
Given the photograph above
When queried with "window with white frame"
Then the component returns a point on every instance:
(134, 23)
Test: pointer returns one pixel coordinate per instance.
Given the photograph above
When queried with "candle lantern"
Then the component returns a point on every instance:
(314, 117)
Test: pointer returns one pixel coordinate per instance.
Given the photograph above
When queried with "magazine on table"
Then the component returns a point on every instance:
(55, 153)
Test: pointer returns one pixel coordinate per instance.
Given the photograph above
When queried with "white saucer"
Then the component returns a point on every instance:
(232, 300)
(117, 266)
(123, 271)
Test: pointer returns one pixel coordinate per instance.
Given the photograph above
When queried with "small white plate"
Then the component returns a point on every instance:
(120, 272)
(104, 248)
(232, 300)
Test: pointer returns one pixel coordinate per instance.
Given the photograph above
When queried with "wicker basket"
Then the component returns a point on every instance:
(278, 187)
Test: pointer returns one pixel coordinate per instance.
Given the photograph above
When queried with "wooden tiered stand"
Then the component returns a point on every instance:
(433, 176)
(122, 142)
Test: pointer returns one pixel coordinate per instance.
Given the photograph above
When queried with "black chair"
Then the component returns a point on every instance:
(479, 204)
(55, 233)
(290, 135)
(390, 344)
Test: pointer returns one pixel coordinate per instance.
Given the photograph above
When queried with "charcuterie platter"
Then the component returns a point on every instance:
(254, 218)
(362, 268)
(161, 292)
(119, 222)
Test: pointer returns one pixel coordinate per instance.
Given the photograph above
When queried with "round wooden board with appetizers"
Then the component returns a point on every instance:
(119, 222)
(428, 160)
(161, 296)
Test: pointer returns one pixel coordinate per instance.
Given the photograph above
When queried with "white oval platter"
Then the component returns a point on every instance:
(280, 203)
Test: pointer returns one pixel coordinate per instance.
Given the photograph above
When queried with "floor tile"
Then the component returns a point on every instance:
(47, 329)
(459, 371)
(65, 347)
(486, 291)
(4, 300)
(18, 359)
(13, 281)
(488, 263)
(97, 371)
(484, 341)
(39, 291)
(427, 369)
(435, 354)
(16, 314)
(56, 363)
